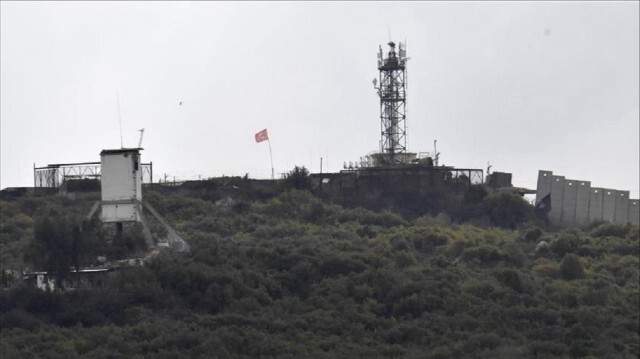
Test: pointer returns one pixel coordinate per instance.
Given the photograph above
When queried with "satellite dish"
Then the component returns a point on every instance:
(375, 82)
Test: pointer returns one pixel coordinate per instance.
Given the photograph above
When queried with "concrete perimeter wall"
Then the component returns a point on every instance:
(569, 201)
(634, 211)
(576, 203)
(608, 205)
(596, 199)
(621, 212)
(582, 203)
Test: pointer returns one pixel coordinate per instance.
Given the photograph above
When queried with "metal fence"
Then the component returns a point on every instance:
(56, 175)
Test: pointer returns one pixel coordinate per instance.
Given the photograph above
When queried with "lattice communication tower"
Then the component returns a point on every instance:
(392, 93)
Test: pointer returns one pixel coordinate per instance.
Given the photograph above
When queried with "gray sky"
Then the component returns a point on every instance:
(523, 85)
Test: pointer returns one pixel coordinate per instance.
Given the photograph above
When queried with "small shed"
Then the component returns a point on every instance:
(82, 279)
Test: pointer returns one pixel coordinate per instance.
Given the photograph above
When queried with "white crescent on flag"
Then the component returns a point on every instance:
(262, 136)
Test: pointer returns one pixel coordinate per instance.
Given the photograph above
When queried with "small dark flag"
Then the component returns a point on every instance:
(544, 207)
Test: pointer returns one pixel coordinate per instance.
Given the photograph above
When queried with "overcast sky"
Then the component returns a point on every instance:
(522, 85)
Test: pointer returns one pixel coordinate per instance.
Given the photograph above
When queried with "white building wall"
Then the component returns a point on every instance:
(121, 185)
(122, 212)
(43, 282)
(120, 180)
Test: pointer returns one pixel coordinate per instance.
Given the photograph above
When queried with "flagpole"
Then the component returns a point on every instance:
(271, 156)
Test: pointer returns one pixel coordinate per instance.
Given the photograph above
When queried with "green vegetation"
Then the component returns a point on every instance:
(288, 275)
(298, 178)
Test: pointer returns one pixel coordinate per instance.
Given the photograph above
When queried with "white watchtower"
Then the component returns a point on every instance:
(121, 185)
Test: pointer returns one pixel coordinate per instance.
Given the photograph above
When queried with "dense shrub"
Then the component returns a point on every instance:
(571, 267)
(611, 229)
(486, 254)
(567, 242)
(297, 178)
(510, 278)
(426, 242)
(474, 194)
(293, 276)
(507, 210)
(533, 234)
(547, 269)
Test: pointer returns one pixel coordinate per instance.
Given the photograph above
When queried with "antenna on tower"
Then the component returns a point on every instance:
(141, 134)
(392, 93)
(119, 119)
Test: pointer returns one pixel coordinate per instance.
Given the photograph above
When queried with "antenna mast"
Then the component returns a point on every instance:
(141, 134)
(119, 119)
(392, 93)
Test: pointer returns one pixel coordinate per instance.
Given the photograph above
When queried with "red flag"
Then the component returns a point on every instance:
(262, 136)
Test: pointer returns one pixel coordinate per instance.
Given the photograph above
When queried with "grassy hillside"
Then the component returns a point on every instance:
(292, 276)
